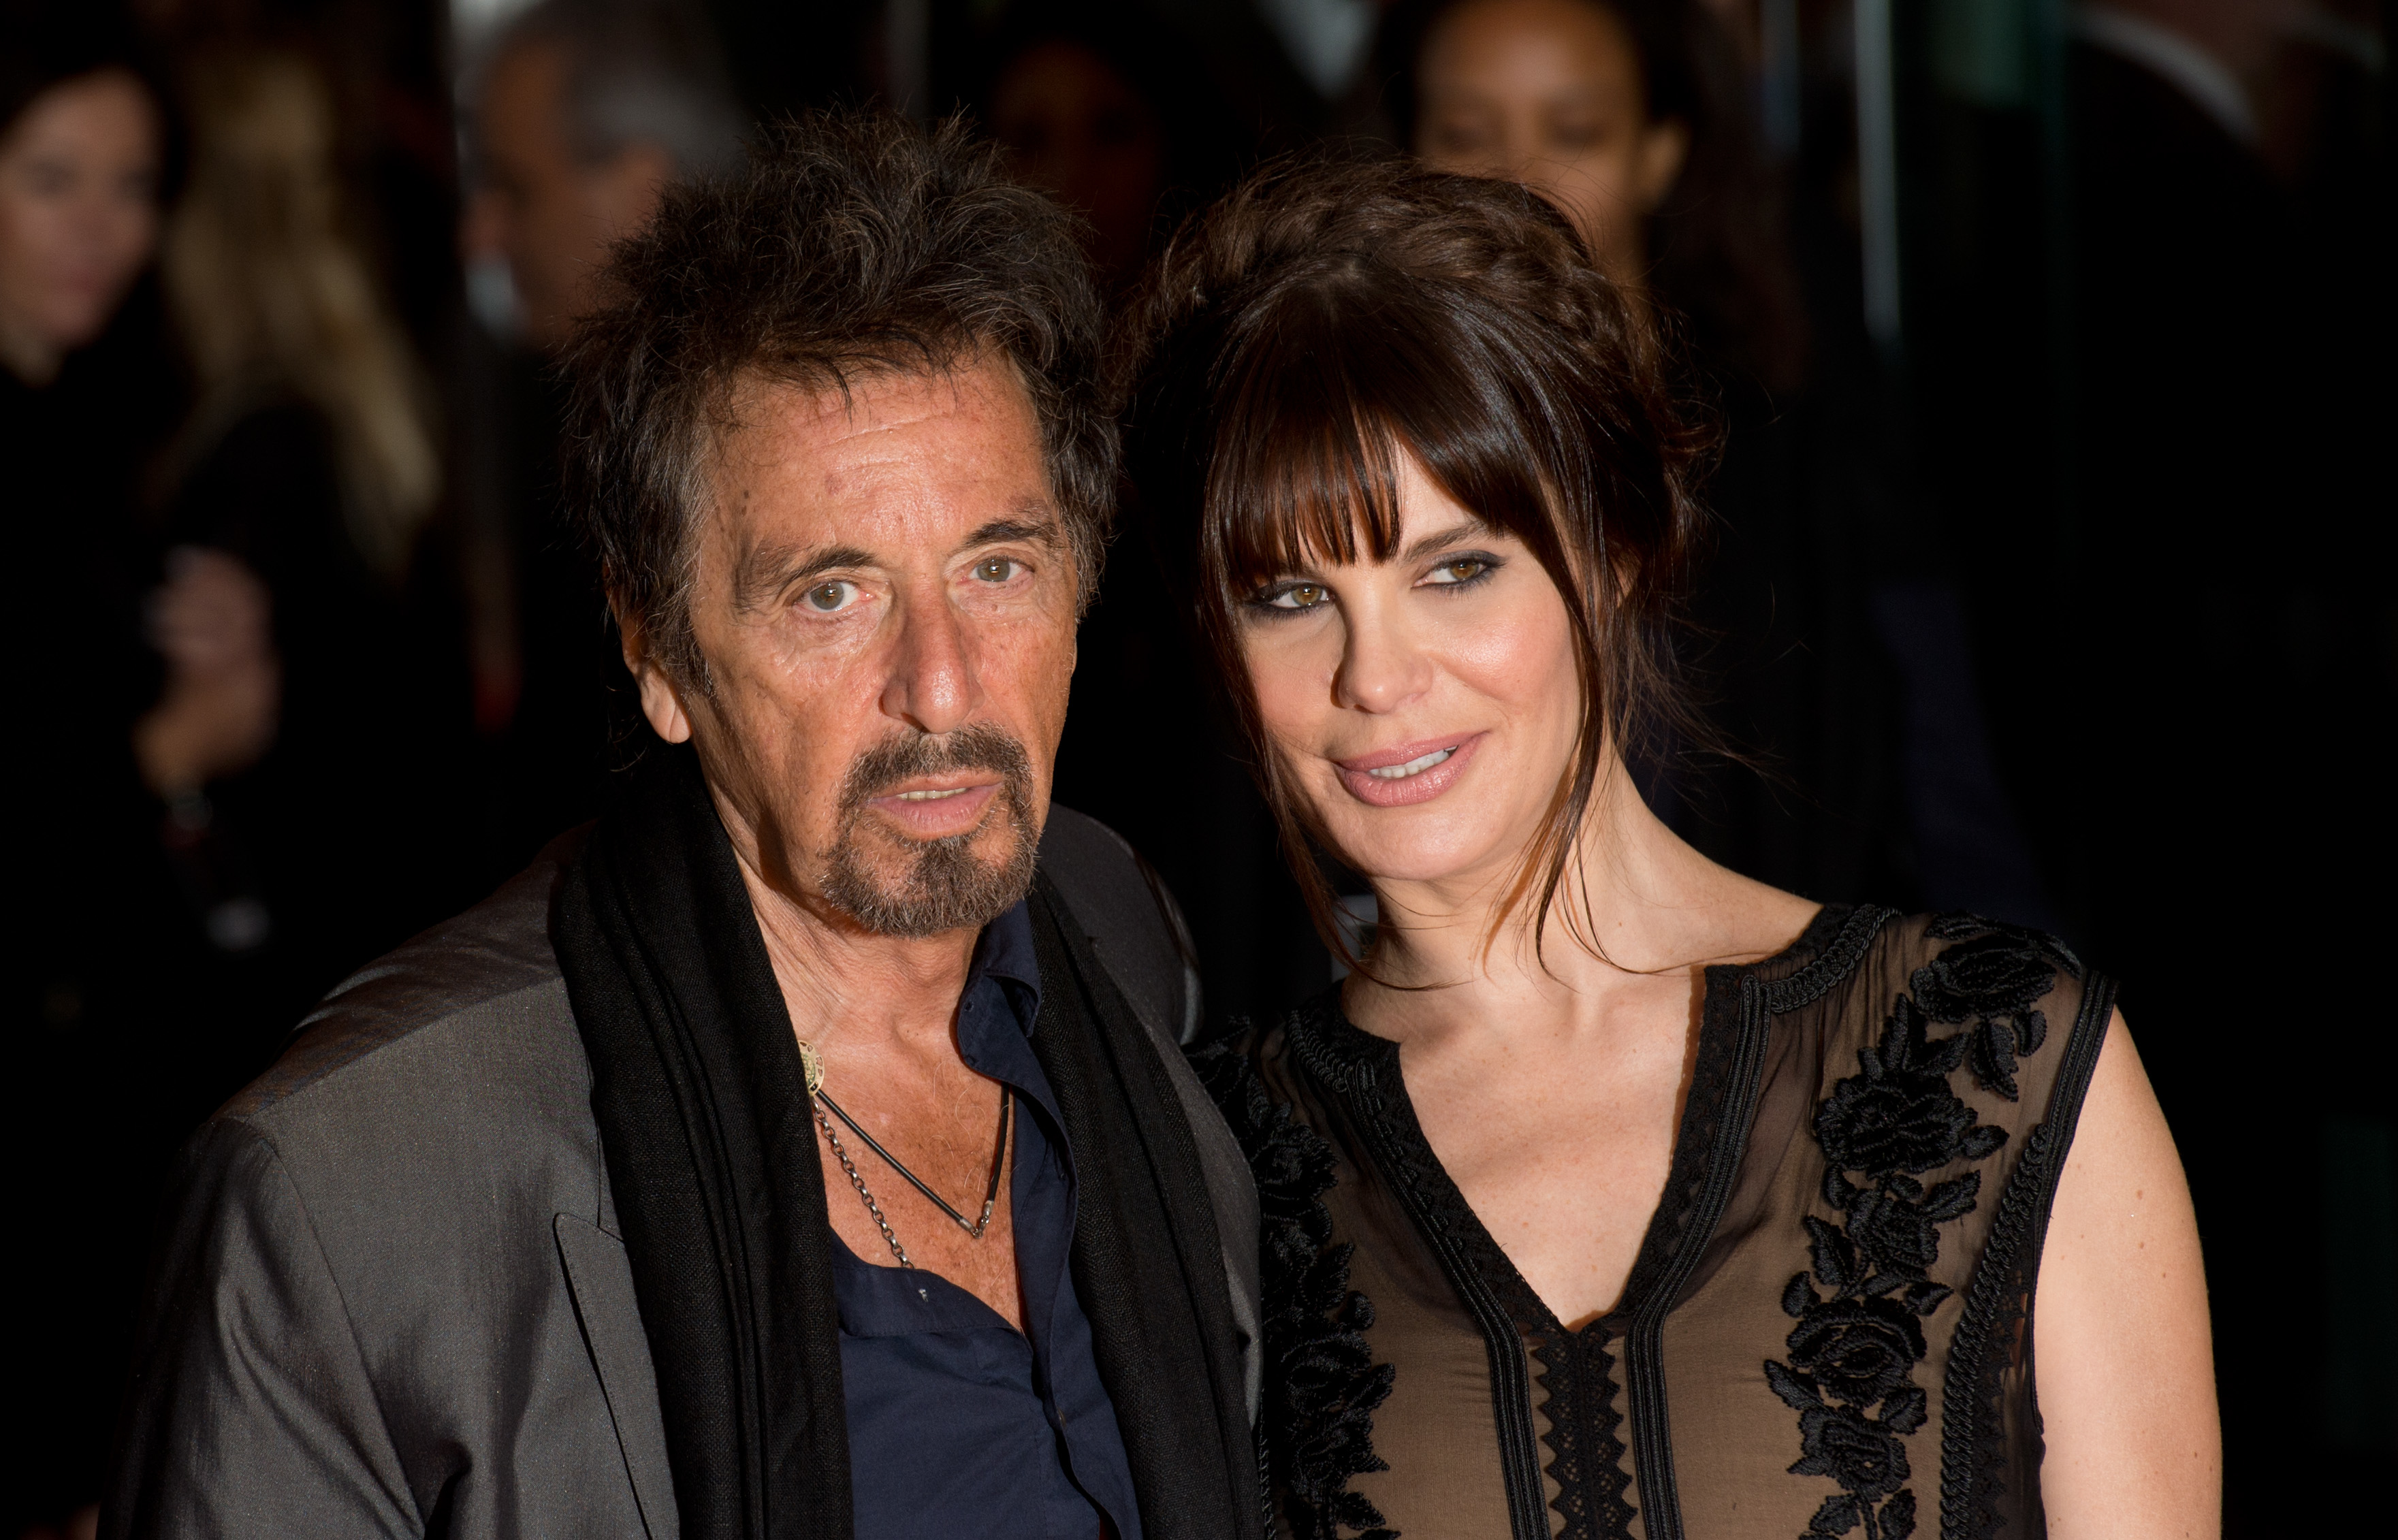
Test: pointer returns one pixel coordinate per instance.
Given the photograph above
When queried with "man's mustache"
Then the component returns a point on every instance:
(980, 746)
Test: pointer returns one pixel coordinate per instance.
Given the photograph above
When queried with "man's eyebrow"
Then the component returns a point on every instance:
(1456, 534)
(1042, 527)
(765, 573)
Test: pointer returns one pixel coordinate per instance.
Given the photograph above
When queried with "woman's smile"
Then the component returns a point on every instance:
(1408, 773)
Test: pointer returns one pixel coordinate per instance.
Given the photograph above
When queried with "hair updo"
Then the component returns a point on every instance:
(1320, 320)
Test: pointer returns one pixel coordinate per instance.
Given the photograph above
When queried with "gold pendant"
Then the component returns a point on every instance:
(811, 1066)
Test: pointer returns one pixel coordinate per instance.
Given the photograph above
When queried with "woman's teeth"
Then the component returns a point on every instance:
(1413, 766)
(935, 796)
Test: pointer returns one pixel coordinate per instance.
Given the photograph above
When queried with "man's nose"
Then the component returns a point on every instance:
(1382, 663)
(932, 685)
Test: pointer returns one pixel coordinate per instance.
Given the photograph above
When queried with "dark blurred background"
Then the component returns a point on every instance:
(2053, 573)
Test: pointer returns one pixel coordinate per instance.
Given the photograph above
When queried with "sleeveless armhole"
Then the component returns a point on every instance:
(1992, 1449)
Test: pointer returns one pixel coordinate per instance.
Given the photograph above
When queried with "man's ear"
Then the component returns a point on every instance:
(661, 697)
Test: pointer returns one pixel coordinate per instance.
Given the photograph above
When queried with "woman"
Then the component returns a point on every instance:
(86, 391)
(1612, 1192)
(306, 470)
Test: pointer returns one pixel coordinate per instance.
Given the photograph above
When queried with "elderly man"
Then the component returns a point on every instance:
(803, 1149)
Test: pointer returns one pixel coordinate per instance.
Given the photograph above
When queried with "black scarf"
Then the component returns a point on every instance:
(712, 1157)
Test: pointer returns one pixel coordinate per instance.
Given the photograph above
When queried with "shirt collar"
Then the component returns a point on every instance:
(1005, 953)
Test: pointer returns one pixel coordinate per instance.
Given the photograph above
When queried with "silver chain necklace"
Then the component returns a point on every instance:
(812, 1065)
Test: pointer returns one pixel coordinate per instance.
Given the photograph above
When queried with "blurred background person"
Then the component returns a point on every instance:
(86, 392)
(580, 112)
(307, 762)
(1101, 106)
(1838, 657)
(1097, 105)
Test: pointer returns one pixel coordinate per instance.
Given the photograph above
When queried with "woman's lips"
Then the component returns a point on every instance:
(1411, 773)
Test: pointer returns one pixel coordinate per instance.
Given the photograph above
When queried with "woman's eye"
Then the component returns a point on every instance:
(1299, 596)
(1465, 569)
(825, 598)
(997, 569)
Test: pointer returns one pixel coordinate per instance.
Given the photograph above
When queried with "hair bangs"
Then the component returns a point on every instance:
(1313, 412)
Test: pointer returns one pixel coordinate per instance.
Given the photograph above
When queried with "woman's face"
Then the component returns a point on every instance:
(1548, 93)
(1425, 707)
(78, 215)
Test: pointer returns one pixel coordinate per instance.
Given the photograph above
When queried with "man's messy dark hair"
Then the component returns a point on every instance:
(849, 246)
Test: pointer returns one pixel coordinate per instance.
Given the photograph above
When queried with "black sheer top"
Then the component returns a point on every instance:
(1827, 1331)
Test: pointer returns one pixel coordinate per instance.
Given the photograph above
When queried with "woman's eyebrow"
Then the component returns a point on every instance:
(1456, 534)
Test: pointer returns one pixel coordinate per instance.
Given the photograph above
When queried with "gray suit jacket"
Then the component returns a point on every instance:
(391, 1298)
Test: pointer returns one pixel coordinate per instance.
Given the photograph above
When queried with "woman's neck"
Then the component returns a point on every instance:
(1637, 903)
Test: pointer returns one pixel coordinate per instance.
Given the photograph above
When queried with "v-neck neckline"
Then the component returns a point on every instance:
(1433, 1200)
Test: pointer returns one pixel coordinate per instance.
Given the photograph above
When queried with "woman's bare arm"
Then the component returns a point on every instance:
(2126, 1368)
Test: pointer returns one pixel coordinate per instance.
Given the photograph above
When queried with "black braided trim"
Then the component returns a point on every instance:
(1708, 1149)
(1997, 1301)
(1851, 938)
(1577, 1368)
(1364, 1070)
(1585, 1433)
(1322, 1383)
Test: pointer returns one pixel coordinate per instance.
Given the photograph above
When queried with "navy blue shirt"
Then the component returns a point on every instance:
(958, 1423)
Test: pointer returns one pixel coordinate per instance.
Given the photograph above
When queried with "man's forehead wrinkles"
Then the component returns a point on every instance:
(874, 404)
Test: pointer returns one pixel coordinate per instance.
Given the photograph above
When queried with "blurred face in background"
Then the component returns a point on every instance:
(78, 216)
(1549, 93)
(548, 209)
(1076, 127)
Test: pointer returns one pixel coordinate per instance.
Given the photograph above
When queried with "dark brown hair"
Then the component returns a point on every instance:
(851, 244)
(1324, 318)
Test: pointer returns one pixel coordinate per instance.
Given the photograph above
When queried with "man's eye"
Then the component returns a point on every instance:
(997, 569)
(1299, 596)
(825, 598)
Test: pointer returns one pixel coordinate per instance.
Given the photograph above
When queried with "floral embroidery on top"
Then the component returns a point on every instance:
(1850, 1373)
(1322, 1383)
(1994, 977)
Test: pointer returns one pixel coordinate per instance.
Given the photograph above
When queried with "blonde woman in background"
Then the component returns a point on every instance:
(300, 724)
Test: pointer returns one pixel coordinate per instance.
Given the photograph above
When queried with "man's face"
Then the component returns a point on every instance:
(550, 212)
(884, 596)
